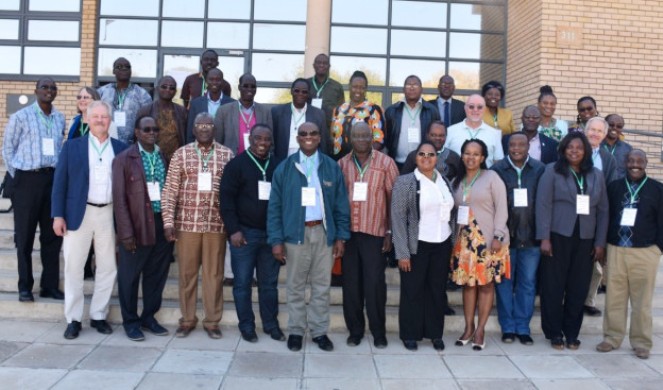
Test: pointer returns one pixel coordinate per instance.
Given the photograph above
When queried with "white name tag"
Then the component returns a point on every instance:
(153, 191)
(413, 135)
(463, 215)
(246, 141)
(48, 146)
(520, 197)
(204, 181)
(360, 192)
(120, 118)
(100, 174)
(317, 103)
(582, 204)
(292, 143)
(628, 217)
(308, 196)
(264, 188)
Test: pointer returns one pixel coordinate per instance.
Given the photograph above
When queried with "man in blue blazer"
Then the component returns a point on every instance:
(82, 210)
(541, 147)
(209, 102)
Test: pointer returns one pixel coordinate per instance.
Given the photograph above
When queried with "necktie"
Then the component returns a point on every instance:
(445, 108)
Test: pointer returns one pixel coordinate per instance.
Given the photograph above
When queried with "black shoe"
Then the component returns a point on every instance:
(276, 334)
(324, 343)
(591, 311)
(72, 331)
(155, 329)
(134, 334)
(295, 342)
(438, 344)
(601, 290)
(508, 337)
(51, 293)
(380, 342)
(337, 281)
(353, 341)
(410, 345)
(525, 339)
(250, 336)
(557, 343)
(101, 326)
(26, 296)
(88, 274)
(449, 311)
(228, 281)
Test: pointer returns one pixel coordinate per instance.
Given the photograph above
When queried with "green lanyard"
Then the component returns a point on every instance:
(466, 188)
(413, 117)
(84, 129)
(121, 96)
(99, 152)
(309, 168)
(294, 116)
(203, 87)
(473, 136)
(362, 171)
(612, 151)
(519, 171)
(204, 159)
(495, 120)
(246, 122)
(634, 195)
(152, 159)
(263, 170)
(319, 89)
(46, 120)
(581, 181)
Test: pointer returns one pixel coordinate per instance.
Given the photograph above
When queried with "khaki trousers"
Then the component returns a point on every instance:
(194, 250)
(598, 274)
(632, 277)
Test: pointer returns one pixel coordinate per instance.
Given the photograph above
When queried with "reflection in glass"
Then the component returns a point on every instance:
(179, 67)
(273, 95)
(418, 43)
(428, 71)
(10, 5)
(8, 29)
(277, 67)
(143, 62)
(466, 74)
(465, 45)
(55, 6)
(364, 12)
(279, 37)
(359, 40)
(286, 10)
(477, 17)
(52, 30)
(342, 68)
(64, 61)
(419, 14)
(127, 32)
(232, 68)
(11, 63)
(176, 8)
(228, 35)
(130, 7)
(181, 34)
(229, 9)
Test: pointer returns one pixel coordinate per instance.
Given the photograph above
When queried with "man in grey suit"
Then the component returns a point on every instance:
(451, 110)
(233, 122)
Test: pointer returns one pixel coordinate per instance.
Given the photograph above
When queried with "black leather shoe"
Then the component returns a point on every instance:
(250, 336)
(295, 342)
(438, 344)
(51, 293)
(155, 329)
(101, 326)
(449, 311)
(134, 334)
(410, 345)
(380, 342)
(276, 334)
(353, 341)
(26, 296)
(508, 337)
(72, 331)
(324, 343)
(525, 339)
(591, 311)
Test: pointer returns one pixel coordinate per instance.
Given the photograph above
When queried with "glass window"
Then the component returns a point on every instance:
(229, 9)
(286, 10)
(418, 43)
(130, 7)
(11, 62)
(462, 45)
(364, 12)
(277, 67)
(279, 37)
(273, 95)
(179, 67)
(343, 67)
(228, 35)
(143, 62)
(8, 29)
(52, 30)
(232, 68)
(10, 5)
(465, 74)
(191, 8)
(127, 32)
(477, 17)
(52, 60)
(55, 6)
(358, 40)
(182, 34)
(428, 71)
(419, 14)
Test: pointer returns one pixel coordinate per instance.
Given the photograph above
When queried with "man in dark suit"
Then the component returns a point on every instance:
(82, 208)
(289, 116)
(209, 102)
(451, 110)
(541, 147)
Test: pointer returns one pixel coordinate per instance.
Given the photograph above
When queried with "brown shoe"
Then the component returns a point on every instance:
(213, 333)
(641, 353)
(183, 331)
(605, 346)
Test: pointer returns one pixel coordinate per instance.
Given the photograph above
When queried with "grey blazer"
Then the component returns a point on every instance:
(556, 206)
(609, 167)
(226, 123)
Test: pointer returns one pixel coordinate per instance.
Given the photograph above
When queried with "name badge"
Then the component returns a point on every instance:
(48, 146)
(360, 192)
(317, 103)
(628, 217)
(204, 181)
(292, 143)
(520, 197)
(120, 118)
(308, 196)
(246, 140)
(153, 191)
(100, 174)
(582, 204)
(463, 215)
(264, 188)
(413, 135)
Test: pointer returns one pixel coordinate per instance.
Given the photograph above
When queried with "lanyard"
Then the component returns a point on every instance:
(612, 151)
(99, 152)
(580, 181)
(203, 87)
(84, 129)
(409, 113)
(634, 195)
(294, 116)
(473, 136)
(309, 168)
(152, 159)
(319, 89)
(241, 114)
(46, 120)
(121, 96)
(205, 159)
(467, 188)
(495, 120)
(362, 171)
(519, 171)
(263, 170)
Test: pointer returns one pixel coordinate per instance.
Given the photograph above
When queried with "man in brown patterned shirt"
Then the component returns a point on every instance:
(190, 211)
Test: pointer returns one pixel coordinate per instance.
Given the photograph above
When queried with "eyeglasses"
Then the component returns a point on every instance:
(204, 126)
(248, 86)
(168, 87)
(473, 107)
(48, 87)
(300, 91)
(83, 97)
(412, 86)
(150, 129)
(426, 154)
(122, 67)
(312, 133)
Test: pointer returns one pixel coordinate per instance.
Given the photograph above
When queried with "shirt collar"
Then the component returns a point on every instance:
(96, 140)
(313, 157)
(442, 100)
(141, 149)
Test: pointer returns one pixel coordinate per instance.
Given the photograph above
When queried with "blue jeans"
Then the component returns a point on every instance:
(515, 296)
(256, 254)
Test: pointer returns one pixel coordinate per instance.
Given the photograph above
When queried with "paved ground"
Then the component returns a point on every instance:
(34, 355)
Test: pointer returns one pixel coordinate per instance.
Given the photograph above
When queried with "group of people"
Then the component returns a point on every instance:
(451, 188)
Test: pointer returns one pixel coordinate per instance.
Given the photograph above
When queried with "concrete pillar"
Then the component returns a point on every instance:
(318, 31)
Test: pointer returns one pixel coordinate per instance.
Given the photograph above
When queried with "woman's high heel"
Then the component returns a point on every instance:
(479, 347)
(461, 343)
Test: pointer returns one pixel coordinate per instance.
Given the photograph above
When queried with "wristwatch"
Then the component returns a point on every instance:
(499, 238)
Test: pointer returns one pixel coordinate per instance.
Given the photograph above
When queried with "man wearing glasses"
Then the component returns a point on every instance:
(125, 98)
(308, 221)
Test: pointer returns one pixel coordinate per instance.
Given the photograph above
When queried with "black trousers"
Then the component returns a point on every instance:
(153, 263)
(32, 206)
(565, 281)
(364, 284)
(422, 306)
